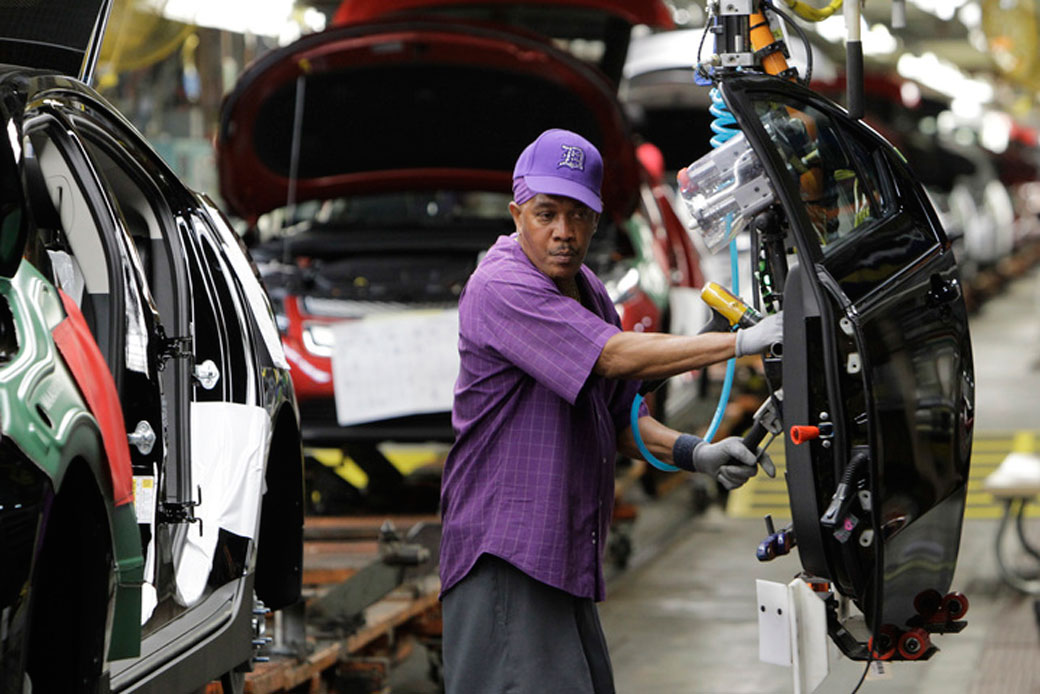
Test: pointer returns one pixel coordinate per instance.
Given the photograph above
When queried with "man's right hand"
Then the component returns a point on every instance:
(761, 336)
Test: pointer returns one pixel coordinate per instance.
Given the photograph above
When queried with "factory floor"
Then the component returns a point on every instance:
(682, 618)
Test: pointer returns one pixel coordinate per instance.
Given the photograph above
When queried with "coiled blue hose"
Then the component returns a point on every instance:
(724, 126)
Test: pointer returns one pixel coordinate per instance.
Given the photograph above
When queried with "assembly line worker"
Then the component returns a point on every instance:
(542, 402)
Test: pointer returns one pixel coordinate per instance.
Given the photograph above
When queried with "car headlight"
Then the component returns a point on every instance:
(318, 339)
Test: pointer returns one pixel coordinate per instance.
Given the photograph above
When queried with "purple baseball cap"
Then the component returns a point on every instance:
(559, 162)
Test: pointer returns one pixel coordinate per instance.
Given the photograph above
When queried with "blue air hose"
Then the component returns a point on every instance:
(724, 127)
(725, 124)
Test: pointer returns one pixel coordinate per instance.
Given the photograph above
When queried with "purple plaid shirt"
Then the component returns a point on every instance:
(530, 478)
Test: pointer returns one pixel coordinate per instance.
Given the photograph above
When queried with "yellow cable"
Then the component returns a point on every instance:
(810, 13)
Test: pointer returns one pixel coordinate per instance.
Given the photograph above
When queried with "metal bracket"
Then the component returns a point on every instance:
(735, 7)
(173, 348)
(180, 512)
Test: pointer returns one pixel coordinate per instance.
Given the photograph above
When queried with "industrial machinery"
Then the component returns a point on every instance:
(874, 389)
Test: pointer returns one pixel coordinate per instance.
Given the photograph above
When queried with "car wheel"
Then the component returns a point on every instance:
(70, 592)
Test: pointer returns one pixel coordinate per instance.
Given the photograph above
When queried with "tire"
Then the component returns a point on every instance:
(70, 591)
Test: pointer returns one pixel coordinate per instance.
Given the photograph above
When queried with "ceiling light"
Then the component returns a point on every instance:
(996, 131)
(943, 9)
(910, 94)
(878, 40)
(831, 29)
(970, 15)
(267, 18)
(944, 77)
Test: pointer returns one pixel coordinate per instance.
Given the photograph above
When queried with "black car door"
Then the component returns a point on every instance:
(86, 252)
(877, 354)
(138, 192)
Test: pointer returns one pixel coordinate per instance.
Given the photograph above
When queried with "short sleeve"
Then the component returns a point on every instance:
(621, 404)
(550, 337)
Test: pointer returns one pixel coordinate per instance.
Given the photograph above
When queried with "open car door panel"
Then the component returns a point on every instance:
(877, 355)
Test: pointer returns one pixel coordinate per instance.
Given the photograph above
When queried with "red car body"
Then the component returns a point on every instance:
(456, 101)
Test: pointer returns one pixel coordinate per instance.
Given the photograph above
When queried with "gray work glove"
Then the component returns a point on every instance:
(729, 461)
(761, 336)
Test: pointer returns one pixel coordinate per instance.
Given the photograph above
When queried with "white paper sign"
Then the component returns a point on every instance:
(396, 365)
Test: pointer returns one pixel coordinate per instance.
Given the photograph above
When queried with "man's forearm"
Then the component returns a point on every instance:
(658, 439)
(659, 355)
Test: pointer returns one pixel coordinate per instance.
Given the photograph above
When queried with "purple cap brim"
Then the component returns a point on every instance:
(554, 185)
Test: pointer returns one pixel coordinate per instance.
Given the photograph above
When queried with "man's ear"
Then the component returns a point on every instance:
(515, 210)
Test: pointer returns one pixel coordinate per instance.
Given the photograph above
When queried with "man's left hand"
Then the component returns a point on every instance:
(729, 461)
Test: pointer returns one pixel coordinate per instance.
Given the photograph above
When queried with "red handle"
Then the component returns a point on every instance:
(801, 434)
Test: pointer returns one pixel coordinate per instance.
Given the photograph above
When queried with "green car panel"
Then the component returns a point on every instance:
(43, 413)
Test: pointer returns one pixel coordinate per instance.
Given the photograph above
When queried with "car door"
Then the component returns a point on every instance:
(877, 354)
(85, 253)
(155, 382)
(93, 259)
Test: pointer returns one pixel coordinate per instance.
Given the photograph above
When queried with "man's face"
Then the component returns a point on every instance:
(555, 232)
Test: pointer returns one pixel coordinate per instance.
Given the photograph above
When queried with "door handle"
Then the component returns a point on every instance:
(943, 291)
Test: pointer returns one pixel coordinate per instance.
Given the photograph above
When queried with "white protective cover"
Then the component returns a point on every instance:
(228, 450)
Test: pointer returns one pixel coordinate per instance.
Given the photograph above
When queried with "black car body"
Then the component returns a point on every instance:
(150, 431)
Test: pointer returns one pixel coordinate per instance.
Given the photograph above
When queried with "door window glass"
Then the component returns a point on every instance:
(68, 230)
(75, 256)
(865, 210)
(130, 198)
(836, 176)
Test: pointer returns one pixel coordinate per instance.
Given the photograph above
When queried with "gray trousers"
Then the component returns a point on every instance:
(506, 633)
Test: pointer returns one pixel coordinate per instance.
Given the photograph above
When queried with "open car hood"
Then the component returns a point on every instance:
(409, 105)
(60, 35)
(655, 13)
(597, 31)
